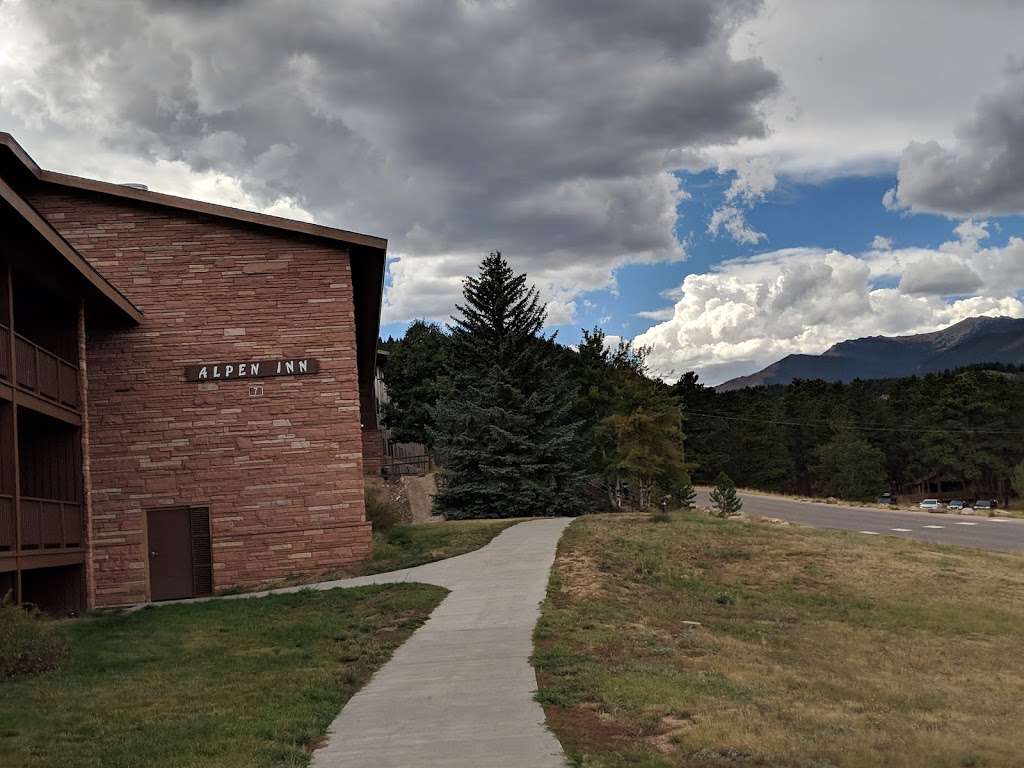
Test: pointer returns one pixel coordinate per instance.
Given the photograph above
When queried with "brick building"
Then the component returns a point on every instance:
(186, 391)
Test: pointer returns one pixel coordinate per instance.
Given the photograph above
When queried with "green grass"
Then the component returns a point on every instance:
(229, 683)
(814, 648)
(405, 546)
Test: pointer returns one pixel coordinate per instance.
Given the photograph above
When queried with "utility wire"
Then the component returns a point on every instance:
(790, 423)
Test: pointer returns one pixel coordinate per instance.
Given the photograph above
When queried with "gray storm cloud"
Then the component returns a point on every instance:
(548, 129)
(978, 176)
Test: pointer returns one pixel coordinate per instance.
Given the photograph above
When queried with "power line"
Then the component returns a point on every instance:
(862, 427)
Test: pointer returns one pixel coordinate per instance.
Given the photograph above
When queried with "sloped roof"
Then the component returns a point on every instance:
(186, 204)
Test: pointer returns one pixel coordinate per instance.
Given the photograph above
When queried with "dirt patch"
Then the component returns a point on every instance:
(665, 742)
(589, 726)
(579, 575)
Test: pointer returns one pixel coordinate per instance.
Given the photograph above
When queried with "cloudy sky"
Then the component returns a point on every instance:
(727, 181)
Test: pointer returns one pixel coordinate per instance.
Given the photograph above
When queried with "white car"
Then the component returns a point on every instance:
(932, 505)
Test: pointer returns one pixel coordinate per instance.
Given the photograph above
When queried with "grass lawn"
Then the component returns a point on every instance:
(239, 683)
(814, 649)
(407, 545)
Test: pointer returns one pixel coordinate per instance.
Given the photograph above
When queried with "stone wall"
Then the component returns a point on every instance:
(280, 467)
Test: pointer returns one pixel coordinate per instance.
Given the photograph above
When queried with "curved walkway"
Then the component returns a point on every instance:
(459, 692)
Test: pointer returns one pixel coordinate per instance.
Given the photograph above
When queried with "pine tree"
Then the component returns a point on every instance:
(1017, 480)
(849, 467)
(683, 493)
(413, 375)
(724, 496)
(504, 434)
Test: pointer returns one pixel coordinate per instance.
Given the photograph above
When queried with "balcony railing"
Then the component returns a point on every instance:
(44, 373)
(50, 524)
(8, 524)
(5, 354)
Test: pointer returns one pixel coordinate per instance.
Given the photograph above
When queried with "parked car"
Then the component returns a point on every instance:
(886, 498)
(986, 505)
(932, 505)
(956, 505)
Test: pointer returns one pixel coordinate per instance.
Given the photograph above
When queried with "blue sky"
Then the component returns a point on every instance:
(843, 213)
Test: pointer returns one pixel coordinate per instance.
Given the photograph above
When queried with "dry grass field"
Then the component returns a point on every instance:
(702, 642)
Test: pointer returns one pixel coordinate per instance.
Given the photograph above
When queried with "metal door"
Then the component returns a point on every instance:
(170, 554)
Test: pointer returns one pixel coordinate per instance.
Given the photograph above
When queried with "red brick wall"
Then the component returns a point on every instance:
(282, 472)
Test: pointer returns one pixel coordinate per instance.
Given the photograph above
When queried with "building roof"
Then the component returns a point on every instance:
(9, 143)
(99, 288)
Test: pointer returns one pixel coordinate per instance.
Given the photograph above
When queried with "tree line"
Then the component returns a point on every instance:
(954, 434)
(523, 425)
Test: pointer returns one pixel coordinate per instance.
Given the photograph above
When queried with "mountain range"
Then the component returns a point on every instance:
(969, 342)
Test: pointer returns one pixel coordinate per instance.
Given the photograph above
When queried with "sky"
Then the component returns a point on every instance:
(723, 181)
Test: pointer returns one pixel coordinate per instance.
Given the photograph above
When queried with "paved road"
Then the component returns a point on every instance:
(1000, 534)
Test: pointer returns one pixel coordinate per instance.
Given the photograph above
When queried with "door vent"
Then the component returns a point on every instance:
(202, 551)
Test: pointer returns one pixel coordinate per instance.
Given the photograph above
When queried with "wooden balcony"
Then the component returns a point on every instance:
(44, 373)
(47, 525)
(51, 524)
(8, 525)
(38, 379)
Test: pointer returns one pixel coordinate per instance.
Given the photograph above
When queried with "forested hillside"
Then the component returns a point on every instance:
(959, 433)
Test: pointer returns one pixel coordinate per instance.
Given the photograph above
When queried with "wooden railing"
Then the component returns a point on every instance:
(8, 524)
(51, 524)
(44, 373)
(5, 353)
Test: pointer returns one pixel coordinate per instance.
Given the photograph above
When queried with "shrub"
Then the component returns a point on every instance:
(724, 497)
(29, 644)
(661, 513)
(683, 493)
(384, 506)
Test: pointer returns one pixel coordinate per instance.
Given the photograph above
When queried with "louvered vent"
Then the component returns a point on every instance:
(202, 551)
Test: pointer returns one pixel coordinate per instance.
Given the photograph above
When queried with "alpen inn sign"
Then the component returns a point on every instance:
(251, 369)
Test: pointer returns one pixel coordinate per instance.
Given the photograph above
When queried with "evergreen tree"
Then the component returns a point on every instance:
(1017, 480)
(414, 375)
(724, 496)
(848, 466)
(682, 492)
(504, 434)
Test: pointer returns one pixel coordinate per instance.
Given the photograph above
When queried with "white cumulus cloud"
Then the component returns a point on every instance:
(747, 313)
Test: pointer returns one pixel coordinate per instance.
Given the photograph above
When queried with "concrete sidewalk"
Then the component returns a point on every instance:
(459, 692)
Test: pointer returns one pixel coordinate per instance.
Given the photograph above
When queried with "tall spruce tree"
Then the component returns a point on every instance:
(504, 434)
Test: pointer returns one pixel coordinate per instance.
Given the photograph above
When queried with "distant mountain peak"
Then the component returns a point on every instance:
(969, 342)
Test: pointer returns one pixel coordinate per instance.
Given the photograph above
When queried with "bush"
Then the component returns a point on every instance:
(682, 492)
(29, 644)
(384, 506)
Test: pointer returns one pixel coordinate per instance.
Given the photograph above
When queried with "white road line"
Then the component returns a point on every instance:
(933, 526)
(901, 530)
(869, 533)
(964, 523)
(1000, 519)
